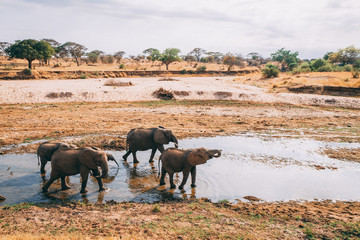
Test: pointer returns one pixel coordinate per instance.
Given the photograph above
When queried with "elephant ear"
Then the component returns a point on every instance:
(197, 157)
(88, 158)
(160, 137)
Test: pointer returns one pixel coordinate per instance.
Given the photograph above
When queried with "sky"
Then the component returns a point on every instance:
(310, 27)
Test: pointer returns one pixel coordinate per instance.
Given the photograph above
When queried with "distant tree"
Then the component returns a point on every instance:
(30, 50)
(93, 56)
(119, 55)
(316, 64)
(55, 45)
(254, 56)
(327, 55)
(270, 71)
(170, 55)
(189, 58)
(233, 60)
(215, 57)
(348, 55)
(286, 58)
(74, 50)
(152, 54)
(107, 59)
(254, 59)
(3, 46)
(197, 53)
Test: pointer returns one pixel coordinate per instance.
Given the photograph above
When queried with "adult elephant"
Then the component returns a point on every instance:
(68, 162)
(175, 160)
(47, 149)
(141, 139)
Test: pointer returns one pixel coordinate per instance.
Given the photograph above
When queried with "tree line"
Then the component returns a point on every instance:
(43, 50)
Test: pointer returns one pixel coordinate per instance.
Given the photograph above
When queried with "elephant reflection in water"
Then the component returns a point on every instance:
(143, 179)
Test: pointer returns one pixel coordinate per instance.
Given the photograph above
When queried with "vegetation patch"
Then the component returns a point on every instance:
(59, 95)
(114, 83)
(182, 93)
(221, 94)
(163, 94)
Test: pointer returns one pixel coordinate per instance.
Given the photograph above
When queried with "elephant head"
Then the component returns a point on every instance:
(94, 158)
(201, 155)
(110, 157)
(164, 136)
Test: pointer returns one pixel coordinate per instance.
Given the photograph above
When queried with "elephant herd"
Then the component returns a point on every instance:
(67, 159)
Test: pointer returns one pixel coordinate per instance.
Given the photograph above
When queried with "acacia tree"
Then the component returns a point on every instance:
(348, 55)
(197, 52)
(233, 60)
(287, 59)
(75, 50)
(93, 56)
(30, 50)
(170, 55)
(119, 55)
(3, 46)
(152, 54)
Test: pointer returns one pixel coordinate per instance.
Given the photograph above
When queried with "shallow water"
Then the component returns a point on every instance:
(272, 169)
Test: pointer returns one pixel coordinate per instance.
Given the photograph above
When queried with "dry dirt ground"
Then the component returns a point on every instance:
(104, 123)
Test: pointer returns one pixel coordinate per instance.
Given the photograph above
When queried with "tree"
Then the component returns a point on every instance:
(170, 55)
(214, 57)
(119, 55)
(93, 56)
(197, 52)
(345, 56)
(30, 50)
(232, 60)
(55, 45)
(287, 59)
(152, 54)
(75, 50)
(3, 46)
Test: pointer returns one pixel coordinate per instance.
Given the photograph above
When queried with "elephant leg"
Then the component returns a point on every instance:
(193, 176)
(161, 148)
(126, 155)
(53, 177)
(152, 154)
(185, 177)
(42, 167)
(100, 183)
(134, 157)
(162, 179)
(64, 185)
(84, 173)
(171, 175)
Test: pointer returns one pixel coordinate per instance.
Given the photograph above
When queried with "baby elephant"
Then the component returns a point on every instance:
(47, 149)
(68, 162)
(175, 160)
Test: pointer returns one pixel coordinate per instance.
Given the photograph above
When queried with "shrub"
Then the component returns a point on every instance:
(83, 76)
(348, 68)
(122, 66)
(316, 64)
(183, 71)
(27, 72)
(356, 65)
(270, 71)
(201, 69)
(303, 68)
(355, 74)
(325, 68)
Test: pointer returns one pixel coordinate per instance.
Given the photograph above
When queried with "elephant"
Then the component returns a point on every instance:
(47, 149)
(141, 139)
(68, 162)
(176, 160)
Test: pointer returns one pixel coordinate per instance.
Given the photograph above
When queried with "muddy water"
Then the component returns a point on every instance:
(272, 169)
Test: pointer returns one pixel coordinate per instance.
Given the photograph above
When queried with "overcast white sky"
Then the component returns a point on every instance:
(311, 27)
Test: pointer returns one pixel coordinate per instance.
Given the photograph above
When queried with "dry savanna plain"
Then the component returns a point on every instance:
(100, 110)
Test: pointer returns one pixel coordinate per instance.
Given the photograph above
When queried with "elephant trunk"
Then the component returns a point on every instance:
(104, 169)
(215, 153)
(175, 141)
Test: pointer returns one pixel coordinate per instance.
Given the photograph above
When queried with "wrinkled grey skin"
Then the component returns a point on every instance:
(68, 162)
(175, 160)
(47, 149)
(109, 156)
(141, 139)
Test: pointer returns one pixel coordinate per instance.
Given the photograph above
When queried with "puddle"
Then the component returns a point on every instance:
(272, 169)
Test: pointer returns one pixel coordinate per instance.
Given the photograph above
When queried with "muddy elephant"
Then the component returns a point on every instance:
(175, 160)
(68, 162)
(47, 149)
(141, 139)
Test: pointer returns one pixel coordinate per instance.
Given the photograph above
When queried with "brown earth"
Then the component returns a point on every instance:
(104, 124)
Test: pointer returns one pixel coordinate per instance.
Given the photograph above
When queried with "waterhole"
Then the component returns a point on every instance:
(271, 169)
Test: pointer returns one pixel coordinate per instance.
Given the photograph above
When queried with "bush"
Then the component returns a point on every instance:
(356, 65)
(355, 74)
(326, 68)
(83, 76)
(316, 64)
(303, 68)
(270, 71)
(201, 69)
(183, 71)
(26, 72)
(348, 68)
(122, 66)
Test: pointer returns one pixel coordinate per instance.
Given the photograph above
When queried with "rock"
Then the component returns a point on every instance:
(2, 198)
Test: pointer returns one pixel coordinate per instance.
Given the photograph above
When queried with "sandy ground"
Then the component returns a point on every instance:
(92, 110)
(200, 88)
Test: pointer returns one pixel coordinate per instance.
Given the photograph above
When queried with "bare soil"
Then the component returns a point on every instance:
(105, 124)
